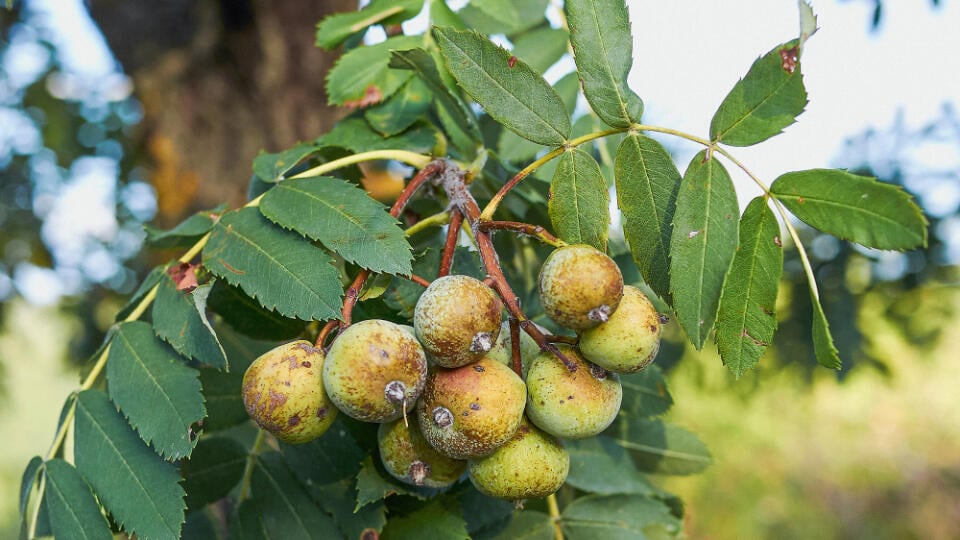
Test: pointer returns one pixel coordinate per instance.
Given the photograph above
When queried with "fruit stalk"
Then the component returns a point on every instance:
(528, 229)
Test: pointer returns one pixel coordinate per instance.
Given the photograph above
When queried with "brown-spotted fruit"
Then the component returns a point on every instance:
(469, 411)
(457, 320)
(283, 393)
(375, 371)
(629, 341)
(580, 286)
(408, 457)
(531, 465)
(571, 404)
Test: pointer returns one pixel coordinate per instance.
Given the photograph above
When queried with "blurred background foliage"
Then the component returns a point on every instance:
(185, 93)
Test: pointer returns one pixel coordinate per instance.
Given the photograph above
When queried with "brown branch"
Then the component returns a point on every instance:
(515, 347)
(528, 229)
(450, 246)
(418, 280)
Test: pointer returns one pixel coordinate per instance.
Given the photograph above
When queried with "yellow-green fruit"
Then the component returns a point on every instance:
(374, 370)
(283, 393)
(457, 320)
(502, 350)
(531, 465)
(470, 411)
(572, 405)
(580, 286)
(408, 457)
(629, 341)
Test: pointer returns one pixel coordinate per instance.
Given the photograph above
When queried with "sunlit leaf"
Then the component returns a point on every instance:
(509, 90)
(853, 207)
(746, 319)
(702, 244)
(74, 512)
(343, 218)
(502, 11)
(768, 99)
(179, 318)
(647, 185)
(542, 47)
(579, 205)
(616, 517)
(402, 109)
(361, 77)
(530, 13)
(603, 49)
(808, 21)
(660, 448)
(272, 167)
(140, 490)
(334, 29)
(356, 135)
(154, 387)
(279, 268)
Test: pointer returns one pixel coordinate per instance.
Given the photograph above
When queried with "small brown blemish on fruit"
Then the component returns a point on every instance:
(369, 534)
(306, 364)
(653, 328)
(321, 412)
(276, 400)
(294, 420)
(569, 397)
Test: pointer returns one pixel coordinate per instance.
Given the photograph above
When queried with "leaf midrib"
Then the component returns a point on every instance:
(286, 500)
(753, 109)
(665, 452)
(606, 64)
(837, 204)
(60, 494)
(742, 313)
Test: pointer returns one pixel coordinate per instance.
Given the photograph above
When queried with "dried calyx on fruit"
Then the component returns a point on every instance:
(408, 457)
(283, 393)
(375, 370)
(629, 341)
(580, 286)
(457, 320)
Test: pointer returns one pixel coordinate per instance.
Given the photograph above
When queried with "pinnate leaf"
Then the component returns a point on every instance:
(140, 490)
(600, 465)
(853, 207)
(343, 218)
(645, 393)
(28, 480)
(356, 135)
(660, 448)
(287, 511)
(180, 319)
(647, 185)
(362, 76)
(615, 517)
(603, 50)
(768, 99)
(823, 347)
(402, 109)
(184, 234)
(530, 13)
(272, 167)
(441, 519)
(334, 29)
(746, 319)
(516, 96)
(279, 268)
(528, 525)
(154, 387)
(579, 205)
(73, 510)
(702, 244)
(373, 485)
(542, 47)
(214, 468)
(148, 283)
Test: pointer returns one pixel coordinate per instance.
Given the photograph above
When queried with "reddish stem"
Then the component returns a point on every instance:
(536, 231)
(418, 280)
(515, 347)
(553, 338)
(450, 246)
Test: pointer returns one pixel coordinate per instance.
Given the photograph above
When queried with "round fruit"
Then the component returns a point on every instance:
(572, 405)
(457, 319)
(629, 341)
(531, 465)
(468, 412)
(502, 350)
(375, 370)
(406, 455)
(580, 286)
(283, 393)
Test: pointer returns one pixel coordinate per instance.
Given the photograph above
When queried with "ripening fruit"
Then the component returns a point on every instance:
(468, 412)
(502, 350)
(629, 341)
(408, 457)
(572, 405)
(580, 286)
(531, 465)
(457, 320)
(375, 370)
(283, 393)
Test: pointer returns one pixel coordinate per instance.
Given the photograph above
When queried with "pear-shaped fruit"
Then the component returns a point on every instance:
(408, 457)
(468, 412)
(502, 350)
(531, 465)
(457, 320)
(580, 286)
(572, 405)
(375, 370)
(283, 393)
(629, 341)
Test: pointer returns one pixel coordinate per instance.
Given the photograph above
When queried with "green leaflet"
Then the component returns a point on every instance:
(579, 204)
(334, 29)
(530, 13)
(599, 465)
(528, 525)
(441, 519)
(516, 96)
(647, 185)
(356, 135)
(246, 315)
(823, 347)
(280, 269)
(28, 480)
(186, 233)
(702, 244)
(362, 77)
(343, 218)
(768, 99)
(808, 21)
(74, 512)
(616, 517)
(286, 510)
(603, 50)
(140, 490)
(853, 207)
(271, 168)
(373, 486)
(542, 47)
(213, 469)
(156, 390)
(645, 393)
(746, 319)
(148, 283)
(180, 319)
(402, 109)
(502, 11)
(660, 448)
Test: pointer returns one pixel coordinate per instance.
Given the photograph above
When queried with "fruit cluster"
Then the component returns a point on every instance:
(476, 401)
